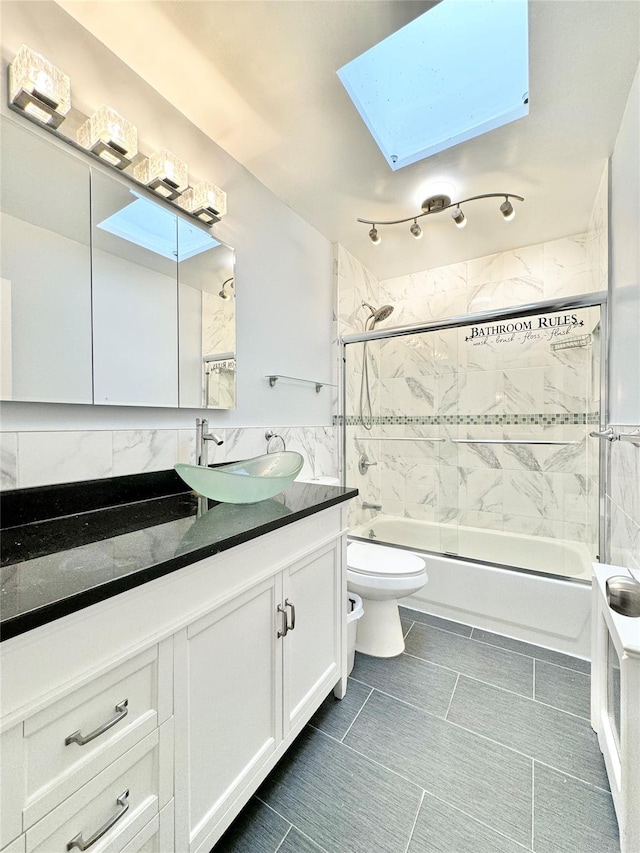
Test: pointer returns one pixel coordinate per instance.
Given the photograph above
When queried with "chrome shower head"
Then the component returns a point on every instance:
(378, 314)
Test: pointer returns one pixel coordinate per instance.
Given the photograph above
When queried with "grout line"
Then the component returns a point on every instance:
(452, 695)
(408, 630)
(573, 776)
(533, 800)
(555, 708)
(477, 820)
(291, 825)
(534, 657)
(283, 838)
(401, 702)
(466, 675)
(534, 679)
(415, 820)
(341, 740)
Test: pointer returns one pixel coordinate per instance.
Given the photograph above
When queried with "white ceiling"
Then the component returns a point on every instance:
(258, 76)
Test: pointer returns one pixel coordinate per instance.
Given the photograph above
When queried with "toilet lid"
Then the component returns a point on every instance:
(372, 559)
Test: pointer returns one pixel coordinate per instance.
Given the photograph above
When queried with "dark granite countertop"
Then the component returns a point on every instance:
(57, 560)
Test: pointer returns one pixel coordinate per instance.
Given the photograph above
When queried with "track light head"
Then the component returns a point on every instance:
(374, 236)
(416, 230)
(458, 217)
(506, 209)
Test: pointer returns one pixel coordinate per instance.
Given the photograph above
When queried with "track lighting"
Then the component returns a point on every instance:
(373, 235)
(506, 209)
(458, 217)
(438, 203)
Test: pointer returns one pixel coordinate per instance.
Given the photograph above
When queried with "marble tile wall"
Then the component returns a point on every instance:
(542, 490)
(72, 456)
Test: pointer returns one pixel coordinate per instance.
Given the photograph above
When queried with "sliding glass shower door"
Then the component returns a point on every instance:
(479, 429)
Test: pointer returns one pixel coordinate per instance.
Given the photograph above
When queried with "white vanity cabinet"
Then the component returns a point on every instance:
(248, 677)
(184, 692)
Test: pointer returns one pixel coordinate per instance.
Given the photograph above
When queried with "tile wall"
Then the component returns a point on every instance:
(87, 455)
(440, 385)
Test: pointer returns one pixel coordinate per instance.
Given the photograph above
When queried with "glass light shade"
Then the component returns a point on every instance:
(206, 201)
(110, 136)
(164, 173)
(39, 88)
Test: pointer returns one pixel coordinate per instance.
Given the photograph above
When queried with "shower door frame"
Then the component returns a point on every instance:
(567, 303)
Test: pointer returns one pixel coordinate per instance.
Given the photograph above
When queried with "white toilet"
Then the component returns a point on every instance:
(380, 576)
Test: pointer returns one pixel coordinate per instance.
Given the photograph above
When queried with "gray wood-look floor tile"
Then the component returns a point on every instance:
(487, 663)
(415, 681)
(295, 842)
(533, 651)
(341, 800)
(561, 740)
(405, 624)
(257, 829)
(335, 716)
(435, 621)
(442, 829)
(563, 688)
(571, 816)
(489, 782)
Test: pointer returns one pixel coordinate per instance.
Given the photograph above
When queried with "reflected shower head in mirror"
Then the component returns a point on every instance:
(224, 294)
(377, 314)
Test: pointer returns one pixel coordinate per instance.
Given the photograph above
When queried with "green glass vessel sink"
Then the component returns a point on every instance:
(244, 482)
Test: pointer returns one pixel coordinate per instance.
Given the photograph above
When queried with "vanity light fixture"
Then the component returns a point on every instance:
(438, 203)
(110, 136)
(39, 88)
(164, 173)
(206, 201)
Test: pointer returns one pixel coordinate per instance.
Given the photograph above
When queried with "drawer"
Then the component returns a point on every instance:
(70, 741)
(116, 805)
(157, 836)
(16, 846)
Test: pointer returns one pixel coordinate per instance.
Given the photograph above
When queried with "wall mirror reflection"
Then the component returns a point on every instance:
(207, 311)
(135, 333)
(45, 287)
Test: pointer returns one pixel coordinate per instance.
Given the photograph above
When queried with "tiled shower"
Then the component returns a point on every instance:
(445, 406)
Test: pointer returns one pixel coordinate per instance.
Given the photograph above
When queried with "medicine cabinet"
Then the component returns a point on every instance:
(107, 296)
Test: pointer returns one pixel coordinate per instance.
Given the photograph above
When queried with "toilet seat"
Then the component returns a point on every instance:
(382, 562)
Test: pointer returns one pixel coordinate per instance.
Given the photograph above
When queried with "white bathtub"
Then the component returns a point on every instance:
(535, 606)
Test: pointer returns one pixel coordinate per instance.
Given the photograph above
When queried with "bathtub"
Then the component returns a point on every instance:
(548, 603)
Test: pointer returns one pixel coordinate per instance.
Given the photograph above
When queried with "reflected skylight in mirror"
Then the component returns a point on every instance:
(458, 71)
(152, 227)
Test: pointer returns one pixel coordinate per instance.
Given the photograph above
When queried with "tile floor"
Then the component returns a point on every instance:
(469, 742)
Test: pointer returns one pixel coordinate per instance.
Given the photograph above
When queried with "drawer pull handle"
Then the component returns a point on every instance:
(81, 844)
(122, 709)
(291, 625)
(285, 622)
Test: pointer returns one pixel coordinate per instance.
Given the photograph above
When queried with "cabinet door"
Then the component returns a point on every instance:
(227, 713)
(312, 591)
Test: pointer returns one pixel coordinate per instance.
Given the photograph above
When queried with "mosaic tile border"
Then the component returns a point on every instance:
(558, 419)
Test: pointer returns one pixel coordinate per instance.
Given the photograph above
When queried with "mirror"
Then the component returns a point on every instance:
(135, 330)
(207, 311)
(114, 301)
(45, 288)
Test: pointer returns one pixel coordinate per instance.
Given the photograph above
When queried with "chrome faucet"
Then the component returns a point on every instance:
(367, 505)
(202, 437)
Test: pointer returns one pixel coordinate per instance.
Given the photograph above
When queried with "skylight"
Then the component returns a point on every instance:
(152, 227)
(456, 72)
